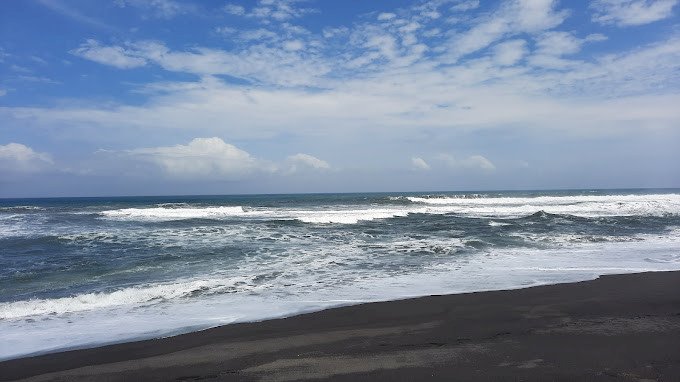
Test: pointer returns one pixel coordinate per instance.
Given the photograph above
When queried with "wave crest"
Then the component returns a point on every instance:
(173, 213)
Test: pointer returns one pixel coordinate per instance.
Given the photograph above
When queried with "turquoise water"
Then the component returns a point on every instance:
(86, 271)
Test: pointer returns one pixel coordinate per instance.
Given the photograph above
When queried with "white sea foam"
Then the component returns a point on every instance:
(477, 206)
(320, 216)
(166, 213)
(97, 238)
(134, 296)
(346, 216)
(573, 239)
(497, 224)
(578, 205)
(543, 200)
(307, 283)
(21, 208)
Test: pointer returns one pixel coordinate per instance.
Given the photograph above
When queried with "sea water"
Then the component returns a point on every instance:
(81, 272)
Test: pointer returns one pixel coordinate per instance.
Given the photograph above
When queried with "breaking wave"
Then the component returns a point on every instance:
(342, 216)
(475, 206)
(578, 205)
(133, 297)
(174, 213)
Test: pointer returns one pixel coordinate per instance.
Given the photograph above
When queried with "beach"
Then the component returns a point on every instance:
(299, 190)
(617, 327)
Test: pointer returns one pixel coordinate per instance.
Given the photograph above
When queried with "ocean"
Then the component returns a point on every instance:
(80, 272)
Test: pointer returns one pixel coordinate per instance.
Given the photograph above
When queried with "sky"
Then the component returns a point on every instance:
(170, 97)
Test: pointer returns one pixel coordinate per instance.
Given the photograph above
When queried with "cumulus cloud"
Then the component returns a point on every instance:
(473, 162)
(301, 162)
(213, 158)
(15, 157)
(631, 12)
(116, 56)
(202, 157)
(419, 163)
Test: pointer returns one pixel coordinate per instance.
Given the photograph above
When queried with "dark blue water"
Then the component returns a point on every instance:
(82, 271)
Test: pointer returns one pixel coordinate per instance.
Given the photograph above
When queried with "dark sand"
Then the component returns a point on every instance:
(623, 327)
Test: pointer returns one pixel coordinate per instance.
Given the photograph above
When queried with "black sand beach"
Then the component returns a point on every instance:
(620, 327)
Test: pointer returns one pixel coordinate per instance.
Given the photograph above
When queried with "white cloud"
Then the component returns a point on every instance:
(15, 157)
(633, 89)
(473, 162)
(478, 161)
(293, 45)
(381, 46)
(260, 63)
(212, 158)
(268, 10)
(234, 9)
(510, 52)
(553, 45)
(20, 69)
(226, 31)
(300, 162)
(43, 80)
(165, 9)
(558, 43)
(3, 92)
(386, 16)
(533, 16)
(257, 35)
(382, 78)
(333, 32)
(513, 17)
(631, 12)
(74, 14)
(391, 79)
(419, 163)
(466, 5)
(202, 157)
(39, 60)
(109, 55)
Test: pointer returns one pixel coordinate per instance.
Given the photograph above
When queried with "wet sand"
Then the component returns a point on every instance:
(620, 327)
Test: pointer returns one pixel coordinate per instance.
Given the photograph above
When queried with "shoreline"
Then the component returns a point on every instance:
(622, 327)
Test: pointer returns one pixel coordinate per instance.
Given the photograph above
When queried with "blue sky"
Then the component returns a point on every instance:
(132, 97)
